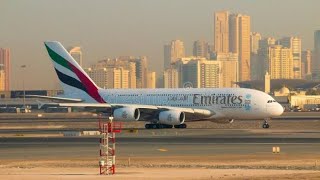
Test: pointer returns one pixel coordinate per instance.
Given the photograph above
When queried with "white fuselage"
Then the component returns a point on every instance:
(224, 103)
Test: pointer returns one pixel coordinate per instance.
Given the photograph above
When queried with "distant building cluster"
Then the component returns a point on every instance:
(221, 66)
(122, 72)
(236, 55)
(281, 58)
(200, 72)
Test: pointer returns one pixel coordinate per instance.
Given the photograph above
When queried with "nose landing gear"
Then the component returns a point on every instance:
(265, 124)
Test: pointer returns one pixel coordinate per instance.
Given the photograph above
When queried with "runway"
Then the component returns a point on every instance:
(207, 143)
(26, 138)
(30, 141)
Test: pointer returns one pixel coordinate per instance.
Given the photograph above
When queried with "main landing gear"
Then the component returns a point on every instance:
(164, 126)
(265, 124)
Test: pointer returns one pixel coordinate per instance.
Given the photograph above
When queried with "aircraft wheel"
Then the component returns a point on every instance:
(180, 126)
(169, 126)
(265, 126)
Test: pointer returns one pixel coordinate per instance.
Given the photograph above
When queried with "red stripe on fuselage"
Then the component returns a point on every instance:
(92, 90)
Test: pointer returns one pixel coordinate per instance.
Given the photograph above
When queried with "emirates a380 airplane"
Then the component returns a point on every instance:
(161, 108)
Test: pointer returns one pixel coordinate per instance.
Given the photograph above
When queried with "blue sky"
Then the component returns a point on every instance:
(106, 28)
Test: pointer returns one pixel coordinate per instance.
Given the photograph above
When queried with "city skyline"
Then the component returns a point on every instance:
(106, 33)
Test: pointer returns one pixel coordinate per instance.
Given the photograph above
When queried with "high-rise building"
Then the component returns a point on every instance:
(6, 67)
(254, 42)
(210, 74)
(110, 78)
(141, 71)
(234, 33)
(172, 52)
(280, 62)
(115, 73)
(171, 78)
(221, 32)
(151, 81)
(316, 56)
(2, 79)
(294, 43)
(306, 60)
(261, 64)
(255, 65)
(120, 78)
(76, 53)
(199, 73)
(239, 42)
(303, 70)
(229, 69)
(101, 76)
(201, 49)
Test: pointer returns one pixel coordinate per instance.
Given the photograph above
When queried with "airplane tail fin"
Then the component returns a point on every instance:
(74, 80)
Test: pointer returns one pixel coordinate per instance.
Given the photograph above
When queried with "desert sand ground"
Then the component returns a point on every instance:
(214, 167)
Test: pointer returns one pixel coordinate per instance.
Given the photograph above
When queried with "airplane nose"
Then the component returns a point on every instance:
(276, 110)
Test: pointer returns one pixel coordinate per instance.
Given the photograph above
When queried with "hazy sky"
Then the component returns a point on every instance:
(106, 28)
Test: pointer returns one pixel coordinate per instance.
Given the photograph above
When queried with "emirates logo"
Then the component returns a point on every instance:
(187, 85)
(169, 118)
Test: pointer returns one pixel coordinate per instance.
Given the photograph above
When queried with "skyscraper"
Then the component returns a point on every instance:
(316, 57)
(141, 71)
(306, 60)
(261, 66)
(210, 74)
(254, 58)
(221, 32)
(172, 52)
(239, 42)
(280, 62)
(76, 53)
(200, 49)
(171, 78)
(114, 73)
(2, 79)
(294, 43)
(254, 42)
(5, 65)
(199, 73)
(151, 81)
(229, 69)
(234, 33)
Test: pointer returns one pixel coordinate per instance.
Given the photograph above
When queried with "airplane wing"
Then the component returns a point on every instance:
(147, 111)
(55, 98)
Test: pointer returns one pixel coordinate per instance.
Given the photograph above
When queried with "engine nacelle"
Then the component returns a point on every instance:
(223, 121)
(126, 114)
(172, 117)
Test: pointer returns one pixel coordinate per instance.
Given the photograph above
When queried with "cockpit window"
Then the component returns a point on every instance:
(271, 101)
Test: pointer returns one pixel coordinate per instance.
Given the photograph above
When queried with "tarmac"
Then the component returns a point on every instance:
(186, 142)
(34, 143)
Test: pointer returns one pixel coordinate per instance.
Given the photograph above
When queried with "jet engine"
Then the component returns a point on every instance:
(126, 114)
(172, 117)
(223, 121)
